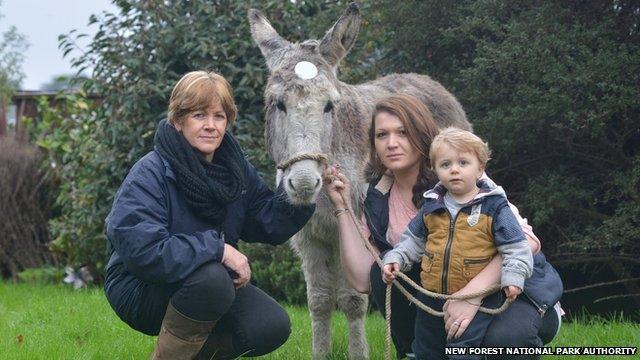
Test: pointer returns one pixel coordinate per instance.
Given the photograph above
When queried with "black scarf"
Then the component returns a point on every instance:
(208, 187)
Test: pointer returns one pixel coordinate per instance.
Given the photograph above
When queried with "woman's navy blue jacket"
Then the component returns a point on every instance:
(156, 237)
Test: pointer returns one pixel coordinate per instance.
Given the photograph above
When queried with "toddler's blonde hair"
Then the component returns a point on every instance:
(462, 141)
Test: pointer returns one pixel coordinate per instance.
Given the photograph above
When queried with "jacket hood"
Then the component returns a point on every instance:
(486, 186)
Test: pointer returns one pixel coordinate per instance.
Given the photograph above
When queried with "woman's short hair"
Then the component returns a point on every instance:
(461, 141)
(420, 128)
(197, 90)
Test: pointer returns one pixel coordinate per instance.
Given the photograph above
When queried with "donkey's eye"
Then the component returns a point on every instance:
(281, 107)
(328, 107)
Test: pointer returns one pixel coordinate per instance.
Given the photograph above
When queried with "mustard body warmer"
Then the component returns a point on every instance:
(454, 250)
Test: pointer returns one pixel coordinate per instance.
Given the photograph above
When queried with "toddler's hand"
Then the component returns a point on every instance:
(512, 292)
(387, 272)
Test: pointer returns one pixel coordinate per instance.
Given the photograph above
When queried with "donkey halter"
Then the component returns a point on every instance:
(321, 158)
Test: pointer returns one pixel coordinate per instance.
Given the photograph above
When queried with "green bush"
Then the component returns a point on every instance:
(42, 275)
(67, 132)
(277, 271)
(553, 87)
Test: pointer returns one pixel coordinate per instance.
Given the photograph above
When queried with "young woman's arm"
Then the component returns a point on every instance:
(356, 260)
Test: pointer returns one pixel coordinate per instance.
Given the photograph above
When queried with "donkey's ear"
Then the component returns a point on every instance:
(266, 37)
(340, 38)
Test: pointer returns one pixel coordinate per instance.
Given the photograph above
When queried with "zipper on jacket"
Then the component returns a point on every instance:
(447, 251)
(476, 261)
(541, 309)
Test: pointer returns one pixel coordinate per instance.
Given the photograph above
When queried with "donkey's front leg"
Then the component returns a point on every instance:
(354, 306)
(321, 290)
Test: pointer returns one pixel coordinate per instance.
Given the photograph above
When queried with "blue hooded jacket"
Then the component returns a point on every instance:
(156, 237)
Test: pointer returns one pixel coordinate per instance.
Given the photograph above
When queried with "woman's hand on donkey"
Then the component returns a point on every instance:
(337, 186)
(237, 262)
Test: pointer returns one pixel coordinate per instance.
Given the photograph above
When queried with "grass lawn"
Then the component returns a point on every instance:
(56, 322)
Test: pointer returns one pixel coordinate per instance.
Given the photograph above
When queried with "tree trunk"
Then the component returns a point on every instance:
(3, 119)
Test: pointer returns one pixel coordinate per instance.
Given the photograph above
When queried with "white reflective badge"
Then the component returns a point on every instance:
(306, 70)
(473, 218)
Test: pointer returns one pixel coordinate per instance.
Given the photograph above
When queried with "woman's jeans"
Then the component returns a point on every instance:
(520, 325)
(430, 336)
(256, 322)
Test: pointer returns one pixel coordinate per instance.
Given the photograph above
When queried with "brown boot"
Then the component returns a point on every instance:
(180, 338)
(218, 346)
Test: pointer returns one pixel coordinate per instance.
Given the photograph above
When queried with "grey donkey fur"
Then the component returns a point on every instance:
(325, 115)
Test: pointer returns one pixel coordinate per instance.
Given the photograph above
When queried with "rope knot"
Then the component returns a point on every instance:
(321, 158)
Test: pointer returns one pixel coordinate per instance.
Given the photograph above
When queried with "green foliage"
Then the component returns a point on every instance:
(572, 77)
(277, 271)
(64, 82)
(67, 132)
(12, 46)
(41, 275)
(553, 87)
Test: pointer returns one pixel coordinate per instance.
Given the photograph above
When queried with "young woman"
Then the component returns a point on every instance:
(398, 172)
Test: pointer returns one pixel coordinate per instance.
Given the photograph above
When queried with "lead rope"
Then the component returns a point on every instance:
(323, 159)
(405, 292)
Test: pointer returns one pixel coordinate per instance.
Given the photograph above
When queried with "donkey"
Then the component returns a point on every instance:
(308, 110)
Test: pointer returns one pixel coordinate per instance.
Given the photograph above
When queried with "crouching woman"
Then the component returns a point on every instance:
(175, 270)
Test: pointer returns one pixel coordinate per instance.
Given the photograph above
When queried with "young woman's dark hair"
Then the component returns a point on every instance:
(420, 128)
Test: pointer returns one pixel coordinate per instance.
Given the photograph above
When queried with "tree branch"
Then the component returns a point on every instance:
(615, 297)
(604, 259)
(521, 164)
(599, 285)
